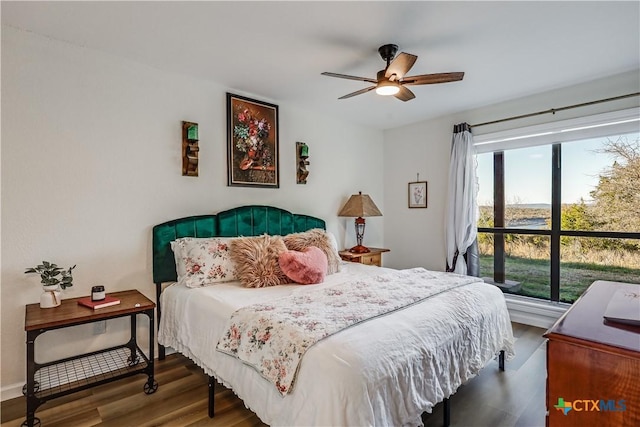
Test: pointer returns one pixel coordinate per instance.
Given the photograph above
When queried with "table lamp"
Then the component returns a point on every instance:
(359, 206)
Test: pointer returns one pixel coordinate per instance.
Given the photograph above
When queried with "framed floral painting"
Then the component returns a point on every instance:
(418, 194)
(252, 143)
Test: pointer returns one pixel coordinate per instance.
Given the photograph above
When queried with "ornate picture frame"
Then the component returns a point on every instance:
(418, 194)
(252, 143)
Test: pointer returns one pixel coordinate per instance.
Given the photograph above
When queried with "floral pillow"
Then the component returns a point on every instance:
(256, 260)
(315, 237)
(203, 262)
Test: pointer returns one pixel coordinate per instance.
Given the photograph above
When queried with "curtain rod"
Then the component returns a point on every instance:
(555, 110)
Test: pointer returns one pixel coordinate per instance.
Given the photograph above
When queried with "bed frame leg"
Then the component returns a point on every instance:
(501, 360)
(212, 386)
(161, 350)
(162, 353)
(447, 412)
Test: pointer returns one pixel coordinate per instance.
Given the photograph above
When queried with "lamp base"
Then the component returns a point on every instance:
(359, 249)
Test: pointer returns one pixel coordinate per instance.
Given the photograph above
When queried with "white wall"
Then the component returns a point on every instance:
(91, 148)
(416, 236)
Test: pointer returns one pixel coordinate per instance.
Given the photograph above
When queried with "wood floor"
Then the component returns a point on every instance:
(511, 398)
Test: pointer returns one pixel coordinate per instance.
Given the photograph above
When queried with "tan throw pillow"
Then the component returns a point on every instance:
(315, 237)
(256, 260)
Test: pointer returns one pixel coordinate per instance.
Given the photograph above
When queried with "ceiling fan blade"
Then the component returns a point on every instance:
(358, 92)
(345, 76)
(400, 65)
(404, 94)
(427, 79)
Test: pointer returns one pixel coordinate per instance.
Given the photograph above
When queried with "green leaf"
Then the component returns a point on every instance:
(50, 272)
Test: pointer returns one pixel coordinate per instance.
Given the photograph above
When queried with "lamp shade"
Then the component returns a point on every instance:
(360, 205)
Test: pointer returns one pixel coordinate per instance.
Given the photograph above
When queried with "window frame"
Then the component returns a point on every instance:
(554, 134)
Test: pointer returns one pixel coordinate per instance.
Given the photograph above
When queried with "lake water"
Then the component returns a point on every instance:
(530, 223)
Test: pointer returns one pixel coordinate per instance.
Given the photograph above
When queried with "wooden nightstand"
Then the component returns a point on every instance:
(370, 258)
(46, 381)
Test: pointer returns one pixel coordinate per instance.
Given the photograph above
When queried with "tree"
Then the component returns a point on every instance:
(577, 216)
(485, 219)
(617, 194)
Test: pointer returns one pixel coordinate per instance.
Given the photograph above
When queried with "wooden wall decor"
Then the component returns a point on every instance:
(302, 154)
(190, 149)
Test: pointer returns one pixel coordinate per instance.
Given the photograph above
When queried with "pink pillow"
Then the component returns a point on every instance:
(306, 267)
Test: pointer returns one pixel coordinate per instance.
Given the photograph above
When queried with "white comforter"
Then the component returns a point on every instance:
(385, 371)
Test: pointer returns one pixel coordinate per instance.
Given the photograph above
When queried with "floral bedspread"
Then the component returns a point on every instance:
(272, 337)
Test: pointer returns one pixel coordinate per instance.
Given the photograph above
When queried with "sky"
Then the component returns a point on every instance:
(528, 172)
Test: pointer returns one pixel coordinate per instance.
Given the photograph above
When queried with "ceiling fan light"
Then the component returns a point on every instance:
(387, 88)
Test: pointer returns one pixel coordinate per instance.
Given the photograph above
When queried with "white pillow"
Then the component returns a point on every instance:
(203, 261)
(176, 247)
(334, 243)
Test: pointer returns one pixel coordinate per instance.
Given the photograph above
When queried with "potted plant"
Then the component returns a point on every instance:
(52, 278)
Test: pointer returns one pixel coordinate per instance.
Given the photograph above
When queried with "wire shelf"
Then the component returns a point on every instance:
(91, 369)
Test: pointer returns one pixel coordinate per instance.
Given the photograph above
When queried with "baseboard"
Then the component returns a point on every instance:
(533, 311)
(11, 391)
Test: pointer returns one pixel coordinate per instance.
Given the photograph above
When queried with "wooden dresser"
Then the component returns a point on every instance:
(593, 366)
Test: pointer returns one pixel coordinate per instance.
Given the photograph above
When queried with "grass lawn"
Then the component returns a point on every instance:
(575, 278)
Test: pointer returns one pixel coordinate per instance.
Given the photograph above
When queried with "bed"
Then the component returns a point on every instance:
(387, 370)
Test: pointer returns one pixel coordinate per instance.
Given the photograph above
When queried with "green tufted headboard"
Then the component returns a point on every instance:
(241, 221)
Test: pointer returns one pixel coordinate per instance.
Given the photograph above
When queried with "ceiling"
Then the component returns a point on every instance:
(275, 51)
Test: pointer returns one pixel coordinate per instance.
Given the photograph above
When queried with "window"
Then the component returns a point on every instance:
(559, 205)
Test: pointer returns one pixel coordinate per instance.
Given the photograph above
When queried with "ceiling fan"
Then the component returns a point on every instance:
(392, 80)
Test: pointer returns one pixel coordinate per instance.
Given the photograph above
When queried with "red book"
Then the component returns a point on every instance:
(108, 301)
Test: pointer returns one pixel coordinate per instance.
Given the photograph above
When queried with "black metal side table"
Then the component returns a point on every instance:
(46, 381)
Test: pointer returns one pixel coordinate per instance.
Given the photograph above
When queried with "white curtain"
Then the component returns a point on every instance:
(461, 217)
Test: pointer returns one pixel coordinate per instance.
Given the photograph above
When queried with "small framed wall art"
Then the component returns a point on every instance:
(418, 194)
(252, 143)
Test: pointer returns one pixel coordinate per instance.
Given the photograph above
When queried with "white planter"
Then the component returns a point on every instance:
(50, 296)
